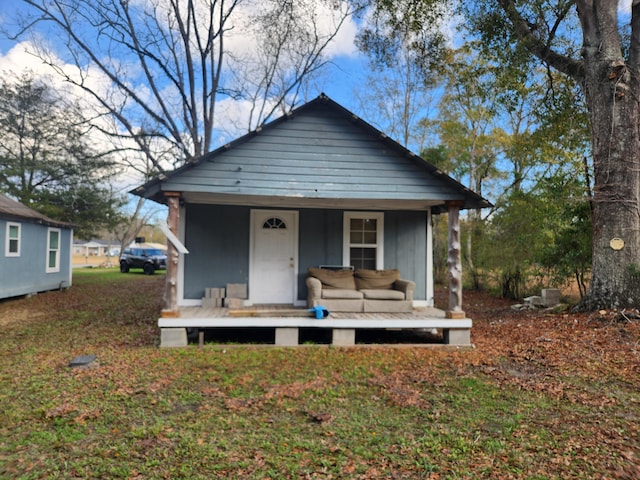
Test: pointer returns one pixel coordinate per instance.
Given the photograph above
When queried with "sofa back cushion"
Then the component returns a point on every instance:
(334, 278)
(376, 279)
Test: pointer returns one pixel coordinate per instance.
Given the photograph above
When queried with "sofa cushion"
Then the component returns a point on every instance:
(373, 294)
(376, 279)
(342, 279)
(345, 293)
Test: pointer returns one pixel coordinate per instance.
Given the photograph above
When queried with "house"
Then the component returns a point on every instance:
(316, 187)
(92, 248)
(35, 251)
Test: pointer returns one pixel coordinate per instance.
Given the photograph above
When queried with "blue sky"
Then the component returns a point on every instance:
(339, 80)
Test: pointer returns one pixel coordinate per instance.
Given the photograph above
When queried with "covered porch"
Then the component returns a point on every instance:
(344, 327)
(179, 319)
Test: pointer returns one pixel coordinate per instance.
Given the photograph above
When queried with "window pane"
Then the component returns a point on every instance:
(53, 254)
(363, 258)
(14, 231)
(13, 246)
(357, 224)
(370, 225)
(369, 237)
(53, 240)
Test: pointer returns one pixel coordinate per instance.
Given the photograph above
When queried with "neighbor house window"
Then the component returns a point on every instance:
(53, 250)
(363, 240)
(12, 247)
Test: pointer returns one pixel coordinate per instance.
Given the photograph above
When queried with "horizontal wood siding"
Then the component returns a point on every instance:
(26, 273)
(317, 154)
(218, 242)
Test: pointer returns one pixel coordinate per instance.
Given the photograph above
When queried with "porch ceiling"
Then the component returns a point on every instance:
(301, 202)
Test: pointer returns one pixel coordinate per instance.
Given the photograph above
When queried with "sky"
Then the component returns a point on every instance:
(339, 80)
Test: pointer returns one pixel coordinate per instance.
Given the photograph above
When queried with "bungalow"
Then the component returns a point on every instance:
(92, 248)
(35, 251)
(316, 187)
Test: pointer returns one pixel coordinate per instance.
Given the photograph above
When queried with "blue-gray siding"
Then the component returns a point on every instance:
(218, 241)
(26, 273)
(317, 153)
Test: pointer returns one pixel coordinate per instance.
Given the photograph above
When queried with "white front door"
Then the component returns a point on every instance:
(274, 256)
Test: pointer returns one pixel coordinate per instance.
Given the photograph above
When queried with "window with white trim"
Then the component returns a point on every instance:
(53, 250)
(12, 244)
(363, 240)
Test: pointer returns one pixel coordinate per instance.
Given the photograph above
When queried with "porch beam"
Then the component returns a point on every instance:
(454, 262)
(173, 258)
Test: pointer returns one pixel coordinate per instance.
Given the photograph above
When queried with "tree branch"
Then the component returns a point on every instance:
(538, 48)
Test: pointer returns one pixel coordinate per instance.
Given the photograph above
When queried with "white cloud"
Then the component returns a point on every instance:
(624, 8)
(18, 60)
(326, 15)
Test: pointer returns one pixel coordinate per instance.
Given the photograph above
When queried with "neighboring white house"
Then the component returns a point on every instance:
(95, 248)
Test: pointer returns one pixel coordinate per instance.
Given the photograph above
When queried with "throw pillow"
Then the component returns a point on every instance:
(334, 278)
(376, 279)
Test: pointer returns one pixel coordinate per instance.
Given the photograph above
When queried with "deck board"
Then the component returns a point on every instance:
(199, 317)
(416, 314)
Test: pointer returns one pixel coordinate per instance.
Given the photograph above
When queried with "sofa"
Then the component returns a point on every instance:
(359, 290)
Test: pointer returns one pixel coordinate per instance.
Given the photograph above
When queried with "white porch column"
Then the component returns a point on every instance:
(171, 283)
(454, 262)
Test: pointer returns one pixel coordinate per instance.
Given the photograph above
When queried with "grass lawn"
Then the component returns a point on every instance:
(542, 396)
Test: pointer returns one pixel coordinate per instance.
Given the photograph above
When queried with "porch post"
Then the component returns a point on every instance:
(454, 262)
(171, 283)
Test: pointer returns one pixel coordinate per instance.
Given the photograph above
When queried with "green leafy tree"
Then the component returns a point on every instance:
(91, 208)
(566, 253)
(543, 235)
(465, 128)
(595, 45)
(47, 161)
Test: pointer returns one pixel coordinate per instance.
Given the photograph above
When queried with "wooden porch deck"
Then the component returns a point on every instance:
(342, 324)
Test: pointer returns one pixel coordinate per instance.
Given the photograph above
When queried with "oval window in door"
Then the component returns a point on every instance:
(274, 222)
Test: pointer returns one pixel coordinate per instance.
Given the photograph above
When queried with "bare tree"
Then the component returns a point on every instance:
(158, 68)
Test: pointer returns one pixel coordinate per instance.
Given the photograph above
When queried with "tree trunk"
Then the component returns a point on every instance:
(611, 91)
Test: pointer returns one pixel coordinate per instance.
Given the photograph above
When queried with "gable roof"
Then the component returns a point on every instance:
(13, 210)
(320, 155)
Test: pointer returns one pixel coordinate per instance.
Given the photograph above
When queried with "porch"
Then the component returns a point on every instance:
(342, 326)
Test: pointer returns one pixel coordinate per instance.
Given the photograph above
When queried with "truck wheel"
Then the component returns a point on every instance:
(124, 267)
(149, 269)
